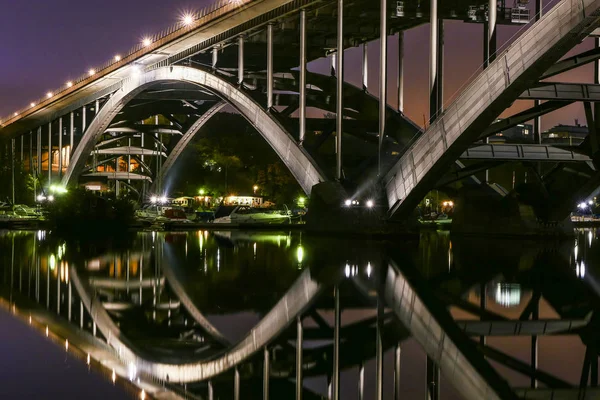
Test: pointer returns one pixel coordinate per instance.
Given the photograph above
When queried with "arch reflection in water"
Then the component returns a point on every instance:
(204, 311)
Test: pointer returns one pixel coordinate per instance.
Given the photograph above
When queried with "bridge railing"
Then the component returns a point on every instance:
(175, 31)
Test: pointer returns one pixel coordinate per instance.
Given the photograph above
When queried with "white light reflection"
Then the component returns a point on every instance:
(218, 259)
(254, 248)
(114, 376)
(347, 271)
(131, 371)
(369, 269)
(590, 236)
(508, 294)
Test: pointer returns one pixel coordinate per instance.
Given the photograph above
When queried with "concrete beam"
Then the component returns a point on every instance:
(522, 152)
(563, 92)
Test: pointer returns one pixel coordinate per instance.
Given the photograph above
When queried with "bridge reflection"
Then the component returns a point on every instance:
(250, 315)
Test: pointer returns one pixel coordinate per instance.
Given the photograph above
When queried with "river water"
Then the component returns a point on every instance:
(188, 297)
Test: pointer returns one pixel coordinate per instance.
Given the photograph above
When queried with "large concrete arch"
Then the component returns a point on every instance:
(184, 141)
(299, 162)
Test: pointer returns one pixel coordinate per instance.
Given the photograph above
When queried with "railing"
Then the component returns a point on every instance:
(175, 31)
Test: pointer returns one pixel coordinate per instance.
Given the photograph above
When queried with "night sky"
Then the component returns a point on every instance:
(46, 43)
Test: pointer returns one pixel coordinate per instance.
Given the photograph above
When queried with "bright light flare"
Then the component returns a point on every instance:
(348, 202)
(153, 199)
(370, 203)
(146, 42)
(32, 104)
(187, 19)
(117, 58)
(15, 114)
(91, 72)
(69, 84)
(49, 94)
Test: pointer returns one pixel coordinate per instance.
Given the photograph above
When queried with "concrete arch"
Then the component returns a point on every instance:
(184, 141)
(299, 162)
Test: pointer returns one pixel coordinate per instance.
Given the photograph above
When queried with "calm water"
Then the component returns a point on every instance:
(162, 290)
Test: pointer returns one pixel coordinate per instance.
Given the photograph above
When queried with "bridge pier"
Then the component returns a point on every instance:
(266, 373)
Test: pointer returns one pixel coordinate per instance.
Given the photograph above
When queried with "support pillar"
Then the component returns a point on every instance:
(210, 391)
(60, 144)
(379, 345)
(39, 153)
(83, 120)
(49, 154)
(339, 107)
(269, 66)
(12, 169)
(482, 306)
(266, 374)
(489, 47)
(241, 60)
(397, 358)
(433, 63)
(335, 381)
(80, 314)
(534, 346)
(299, 344)
(31, 169)
(537, 122)
(440, 67)
(302, 90)
(69, 297)
(236, 384)
(361, 381)
(400, 77)
(433, 380)
(215, 57)
(365, 68)
(71, 133)
(382, 77)
(22, 137)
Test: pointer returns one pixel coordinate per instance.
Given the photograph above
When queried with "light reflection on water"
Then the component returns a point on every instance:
(236, 277)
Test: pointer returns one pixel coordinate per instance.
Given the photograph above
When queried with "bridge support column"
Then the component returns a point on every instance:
(71, 133)
(365, 67)
(215, 57)
(12, 169)
(534, 346)
(433, 64)
(241, 60)
(211, 394)
(83, 119)
(537, 122)
(482, 306)
(69, 297)
(397, 357)
(31, 169)
(299, 344)
(49, 154)
(60, 144)
(433, 380)
(339, 108)
(302, 93)
(80, 314)
(269, 66)
(400, 71)
(22, 138)
(361, 381)
(266, 373)
(335, 389)
(236, 384)
(39, 153)
(379, 346)
(382, 77)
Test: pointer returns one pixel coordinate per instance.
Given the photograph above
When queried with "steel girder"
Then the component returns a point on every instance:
(522, 152)
(562, 92)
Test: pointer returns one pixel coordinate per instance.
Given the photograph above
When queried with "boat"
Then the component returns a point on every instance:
(245, 215)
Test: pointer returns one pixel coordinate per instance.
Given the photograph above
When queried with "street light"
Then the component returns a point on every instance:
(91, 72)
(201, 191)
(146, 42)
(370, 203)
(117, 58)
(255, 188)
(153, 199)
(187, 19)
(69, 84)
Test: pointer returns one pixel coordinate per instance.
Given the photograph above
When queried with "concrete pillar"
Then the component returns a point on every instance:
(31, 153)
(80, 314)
(299, 344)
(302, 84)
(400, 77)
(60, 144)
(361, 381)
(397, 357)
(534, 347)
(339, 108)
(266, 373)
(12, 170)
(537, 122)
(365, 68)
(71, 132)
(440, 67)
(433, 64)
(269, 66)
(433, 380)
(22, 137)
(379, 346)
(69, 297)
(492, 40)
(240, 60)
(382, 77)
(210, 391)
(335, 381)
(215, 57)
(83, 120)
(49, 154)
(482, 303)
(236, 384)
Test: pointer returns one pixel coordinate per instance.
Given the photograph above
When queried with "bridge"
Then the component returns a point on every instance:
(129, 120)
(164, 338)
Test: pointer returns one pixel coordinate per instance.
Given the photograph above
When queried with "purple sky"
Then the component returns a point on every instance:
(46, 43)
